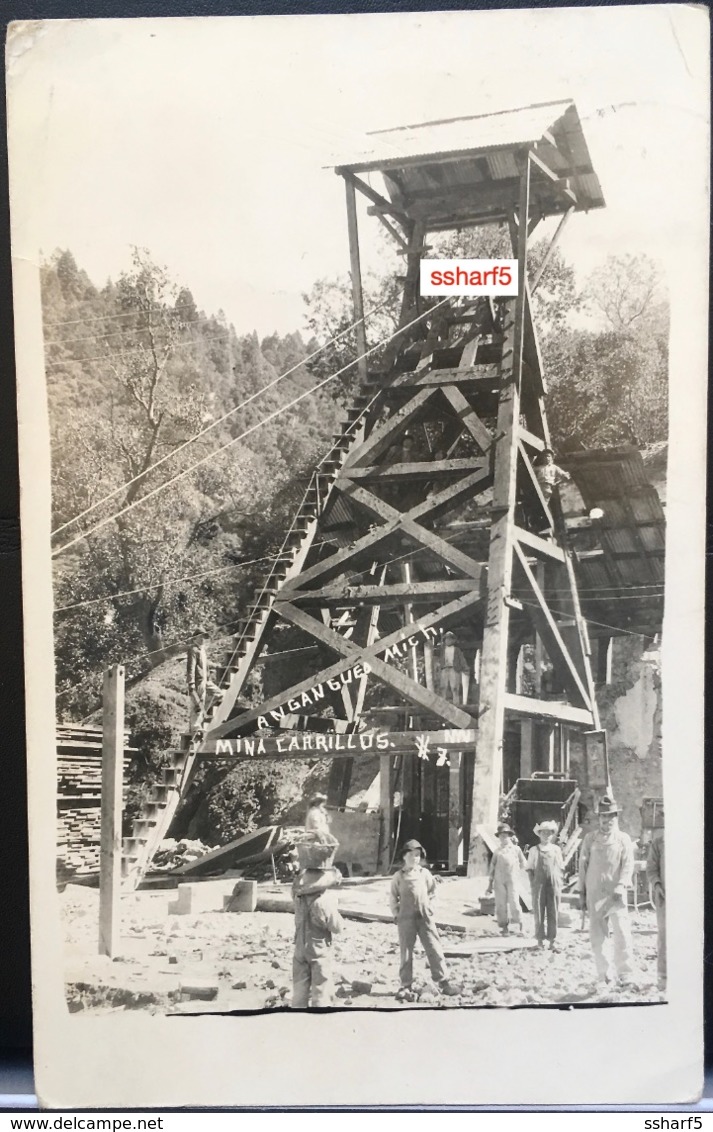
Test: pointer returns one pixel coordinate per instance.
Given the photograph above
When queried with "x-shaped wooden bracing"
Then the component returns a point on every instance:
(393, 521)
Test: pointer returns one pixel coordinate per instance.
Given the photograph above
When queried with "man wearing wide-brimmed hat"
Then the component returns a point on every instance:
(546, 869)
(606, 869)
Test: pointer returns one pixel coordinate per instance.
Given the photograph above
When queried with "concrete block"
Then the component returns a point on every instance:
(243, 897)
(200, 896)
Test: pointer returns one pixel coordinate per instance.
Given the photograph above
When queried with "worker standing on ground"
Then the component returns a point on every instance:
(606, 869)
(549, 475)
(505, 869)
(655, 872)
(412, 897)
(546, 869)
(317, 919)
(198, 679)
(317, 820)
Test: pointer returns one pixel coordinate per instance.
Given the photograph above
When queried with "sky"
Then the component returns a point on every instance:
(210, 141)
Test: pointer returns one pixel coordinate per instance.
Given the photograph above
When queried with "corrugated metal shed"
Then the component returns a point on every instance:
(624, 582)
(464, 171)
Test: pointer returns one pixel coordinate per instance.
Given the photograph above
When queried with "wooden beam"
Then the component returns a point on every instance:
(487, 771)
(376, 198)
(455, 820)
(555, 179)
(540, 545)
(549, 631)
(112, 781)
(553, 243)
(385, 811)
(531, 440)
(355, 269)
(547, 709)
(388, 674)
(238, 723)
(413, 472)
(486, 375)
(333, 745)
(377, 595)
(468, 417)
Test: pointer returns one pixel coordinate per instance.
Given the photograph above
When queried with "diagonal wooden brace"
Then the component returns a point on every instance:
(414, 692)
(239, 722)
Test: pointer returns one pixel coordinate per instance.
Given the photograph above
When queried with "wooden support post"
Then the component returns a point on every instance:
(386, 808)
(455, 821)
(111, 808)
(527, 736)
(355, 266)
(489, 754)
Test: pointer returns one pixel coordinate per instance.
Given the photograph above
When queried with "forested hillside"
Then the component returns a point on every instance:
(135, 370)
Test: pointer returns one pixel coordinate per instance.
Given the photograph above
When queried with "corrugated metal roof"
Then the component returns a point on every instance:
(479, 131)
(464, 171)
(631, 532)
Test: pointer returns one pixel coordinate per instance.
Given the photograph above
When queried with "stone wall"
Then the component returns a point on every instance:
(630, 711)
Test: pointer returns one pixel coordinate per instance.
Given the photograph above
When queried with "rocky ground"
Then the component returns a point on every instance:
(218, 961)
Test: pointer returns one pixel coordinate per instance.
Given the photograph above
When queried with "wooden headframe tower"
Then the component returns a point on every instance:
(427, 517)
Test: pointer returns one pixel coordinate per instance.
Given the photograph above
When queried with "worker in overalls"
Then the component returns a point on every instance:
(546, 869)
(606, 869)
(506, 868)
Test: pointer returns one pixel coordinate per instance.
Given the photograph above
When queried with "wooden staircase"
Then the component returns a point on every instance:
(159, 808)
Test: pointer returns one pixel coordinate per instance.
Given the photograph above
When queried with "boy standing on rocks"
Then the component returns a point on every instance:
(317, 919)
(412, 898)
(546, 869)
(506, 864)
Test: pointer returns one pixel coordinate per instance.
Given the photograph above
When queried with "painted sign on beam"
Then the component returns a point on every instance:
(426, 745)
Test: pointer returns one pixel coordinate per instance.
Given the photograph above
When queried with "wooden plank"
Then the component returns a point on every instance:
(540, 545)
(549, 631)
(422, 470)
(547, 709)
(317, 744)
(455, 831)
(531, 440)
(486, 375)
(452, 609)
(553, 244)
(111, 807)
(376, 198)
(385, 811)
(468, 417)
(355, 270)
(414, 693)
(381, 595)
(494, 666)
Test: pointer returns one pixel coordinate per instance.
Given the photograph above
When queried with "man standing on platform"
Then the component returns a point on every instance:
(453, 666)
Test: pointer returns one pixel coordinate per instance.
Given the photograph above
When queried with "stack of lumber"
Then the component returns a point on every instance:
(79, 759)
